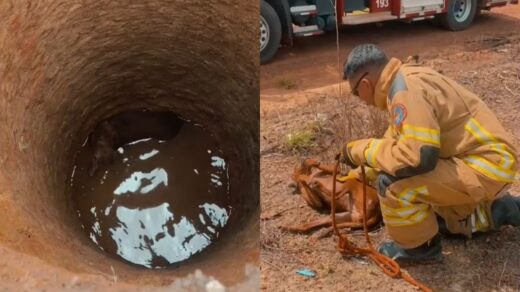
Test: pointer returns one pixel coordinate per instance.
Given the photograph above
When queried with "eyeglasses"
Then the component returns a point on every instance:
(354, 90)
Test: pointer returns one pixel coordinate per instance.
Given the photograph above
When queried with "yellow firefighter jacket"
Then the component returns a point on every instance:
(432, 117)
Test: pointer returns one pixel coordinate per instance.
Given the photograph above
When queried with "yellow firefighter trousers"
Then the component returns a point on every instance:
(453, 190)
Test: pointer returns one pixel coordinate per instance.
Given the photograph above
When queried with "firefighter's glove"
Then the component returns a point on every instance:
(345, 156)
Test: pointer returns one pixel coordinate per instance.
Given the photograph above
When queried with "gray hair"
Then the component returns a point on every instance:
(361, 57)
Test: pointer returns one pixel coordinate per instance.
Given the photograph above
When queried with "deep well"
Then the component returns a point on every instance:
(66, 65)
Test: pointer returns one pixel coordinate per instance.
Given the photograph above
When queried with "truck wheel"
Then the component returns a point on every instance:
(270, 32)
(460, 14)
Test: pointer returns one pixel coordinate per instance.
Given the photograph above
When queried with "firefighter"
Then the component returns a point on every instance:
(444, 162)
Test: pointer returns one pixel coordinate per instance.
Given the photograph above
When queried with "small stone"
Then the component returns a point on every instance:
(215, 286)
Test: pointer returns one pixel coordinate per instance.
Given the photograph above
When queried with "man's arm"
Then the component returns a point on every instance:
(416, 151)
(371, 173)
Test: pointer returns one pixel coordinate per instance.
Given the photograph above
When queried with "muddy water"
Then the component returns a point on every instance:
(159, 202)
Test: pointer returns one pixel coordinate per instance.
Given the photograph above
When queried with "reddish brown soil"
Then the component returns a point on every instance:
(312, 62)
(485, 59)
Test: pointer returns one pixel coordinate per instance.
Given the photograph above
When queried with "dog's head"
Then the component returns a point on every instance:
(412, 59)
(104, 140)
(102, 156)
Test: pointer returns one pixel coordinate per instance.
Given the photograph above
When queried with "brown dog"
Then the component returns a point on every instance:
(314, 181)
(127, 127)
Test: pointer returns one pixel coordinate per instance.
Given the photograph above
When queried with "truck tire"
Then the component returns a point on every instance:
(460, 14)
(270, 32)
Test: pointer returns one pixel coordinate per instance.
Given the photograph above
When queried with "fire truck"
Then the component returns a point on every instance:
(283, 20)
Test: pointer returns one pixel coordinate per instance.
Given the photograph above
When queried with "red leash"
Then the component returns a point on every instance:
(345, 247)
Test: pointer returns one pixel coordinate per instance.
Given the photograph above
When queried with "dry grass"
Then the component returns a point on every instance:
(274, 254)
(352, 120)
(287, 84)
(301, 141)
(324, 126)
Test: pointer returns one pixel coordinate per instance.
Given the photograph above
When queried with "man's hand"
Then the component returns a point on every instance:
(345, 156)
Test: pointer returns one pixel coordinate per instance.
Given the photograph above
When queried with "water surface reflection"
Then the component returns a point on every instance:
(160, 202)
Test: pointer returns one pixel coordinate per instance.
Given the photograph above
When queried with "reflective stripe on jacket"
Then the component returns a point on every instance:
(432, 117)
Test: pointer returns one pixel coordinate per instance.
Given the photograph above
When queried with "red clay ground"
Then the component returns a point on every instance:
(486, 59)
(312, 61)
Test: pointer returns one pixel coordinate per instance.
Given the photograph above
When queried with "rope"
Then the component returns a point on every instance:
(345, 247)
(333, 3)
(386, 264)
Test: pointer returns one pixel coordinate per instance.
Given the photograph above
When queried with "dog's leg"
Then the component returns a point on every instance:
(308, 195)
(329, 230)
(308, 164)
(349, 225)
(358, 223)
(323, 233)
(373, 220)
(325, 221)
(327, 168)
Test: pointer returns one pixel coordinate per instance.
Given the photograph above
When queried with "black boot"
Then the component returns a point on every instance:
(506, 211)
(429, 251)
(443, 229)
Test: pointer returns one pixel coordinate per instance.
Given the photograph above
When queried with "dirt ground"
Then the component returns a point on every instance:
(312, 61)
(486, 59)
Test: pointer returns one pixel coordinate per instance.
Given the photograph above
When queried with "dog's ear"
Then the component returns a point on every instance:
(303, 162)
(295, 188)
(299, 170)
(412, 59)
